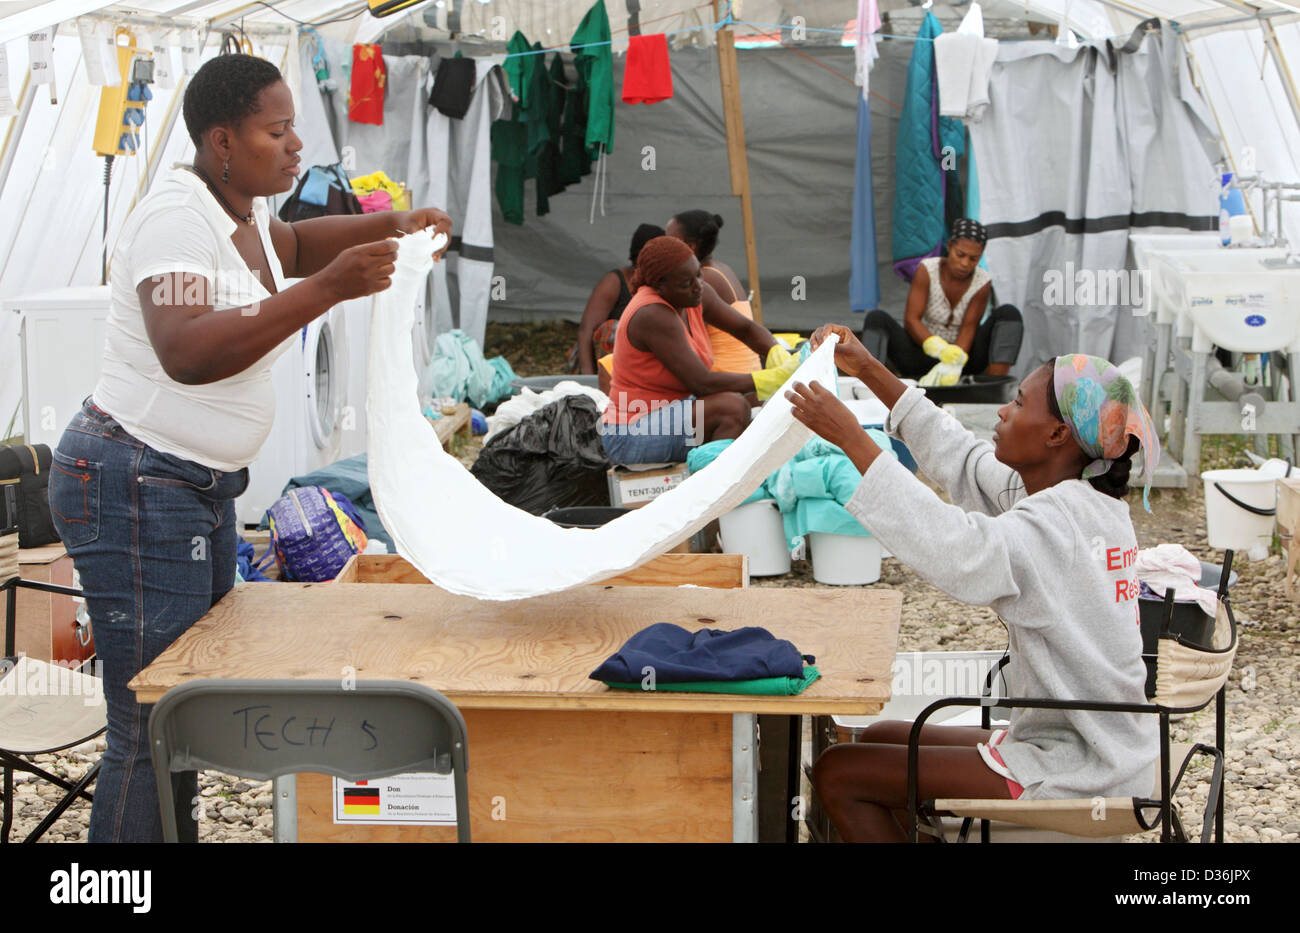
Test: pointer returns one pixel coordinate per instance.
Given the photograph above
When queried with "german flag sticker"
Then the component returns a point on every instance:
(361, 801)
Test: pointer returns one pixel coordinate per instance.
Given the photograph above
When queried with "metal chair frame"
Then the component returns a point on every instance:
(12, 761)
(189, 730)
(922, 816)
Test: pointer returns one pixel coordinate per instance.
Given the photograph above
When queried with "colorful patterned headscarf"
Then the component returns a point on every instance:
(1103, 411)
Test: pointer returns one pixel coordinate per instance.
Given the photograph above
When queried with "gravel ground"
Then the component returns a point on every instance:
(1263, 779)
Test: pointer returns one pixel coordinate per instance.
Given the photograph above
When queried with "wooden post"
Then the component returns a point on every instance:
(736, 158)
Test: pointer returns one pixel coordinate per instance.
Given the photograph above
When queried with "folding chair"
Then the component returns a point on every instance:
(1188, 677)
(66, 710)
(265, 729)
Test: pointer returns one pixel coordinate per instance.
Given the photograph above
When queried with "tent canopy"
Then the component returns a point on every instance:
(51, 183)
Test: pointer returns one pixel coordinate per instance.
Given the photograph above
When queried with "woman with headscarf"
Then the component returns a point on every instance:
(1038, 529)
(605, 306)
(664, 398)
(944, 332)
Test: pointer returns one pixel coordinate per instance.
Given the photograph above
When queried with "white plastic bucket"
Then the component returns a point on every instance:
(844, 560)
(756, 530)
(1239, 524)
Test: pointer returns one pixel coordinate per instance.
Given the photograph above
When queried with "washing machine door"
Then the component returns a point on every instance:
(325, 379)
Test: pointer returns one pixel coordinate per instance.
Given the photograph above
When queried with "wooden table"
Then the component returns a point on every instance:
(569, 758)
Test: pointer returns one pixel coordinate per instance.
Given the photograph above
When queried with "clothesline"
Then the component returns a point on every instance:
(713, 27)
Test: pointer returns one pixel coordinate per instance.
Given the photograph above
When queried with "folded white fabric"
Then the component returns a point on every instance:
(954, 58)
(963, 62)
(1172, 565)
(466, 540)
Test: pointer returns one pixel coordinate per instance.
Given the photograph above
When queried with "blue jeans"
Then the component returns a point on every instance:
(664, 435)
(153, 539)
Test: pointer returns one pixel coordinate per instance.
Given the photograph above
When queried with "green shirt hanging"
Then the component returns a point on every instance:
(595, 64)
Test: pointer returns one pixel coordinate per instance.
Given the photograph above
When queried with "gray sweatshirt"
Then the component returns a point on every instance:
(1057, 566)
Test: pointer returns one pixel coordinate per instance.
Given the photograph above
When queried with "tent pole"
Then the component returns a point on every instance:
(15, 133)
(1283, 70)
(1232, 20)
(1199, 80)
(736, 155)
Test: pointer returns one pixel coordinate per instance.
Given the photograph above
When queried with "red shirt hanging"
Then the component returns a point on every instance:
(647, 77)
(366, 100)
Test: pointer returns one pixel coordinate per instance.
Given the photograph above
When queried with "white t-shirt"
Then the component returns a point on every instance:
(180, 227)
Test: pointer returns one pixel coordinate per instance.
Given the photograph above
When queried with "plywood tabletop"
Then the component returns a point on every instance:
(529, 654)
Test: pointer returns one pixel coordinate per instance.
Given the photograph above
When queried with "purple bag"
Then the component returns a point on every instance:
(314, 532)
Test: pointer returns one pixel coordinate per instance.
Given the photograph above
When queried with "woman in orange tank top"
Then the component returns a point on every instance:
(664, 398)
(699, 230)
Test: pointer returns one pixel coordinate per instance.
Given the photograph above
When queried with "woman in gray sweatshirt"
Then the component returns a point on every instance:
(1038, 529)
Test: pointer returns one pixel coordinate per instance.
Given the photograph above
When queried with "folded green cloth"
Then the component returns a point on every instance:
(764, 686)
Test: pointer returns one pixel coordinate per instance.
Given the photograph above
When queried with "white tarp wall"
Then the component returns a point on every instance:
(53, 197)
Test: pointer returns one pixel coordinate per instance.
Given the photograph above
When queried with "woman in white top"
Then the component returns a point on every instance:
(944, 332)
(144, 478)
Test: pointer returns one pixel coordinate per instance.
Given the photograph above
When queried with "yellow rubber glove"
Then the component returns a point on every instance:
(934, 346)
(953, 355)
(777, 357)
(781, 366)
(943, 374)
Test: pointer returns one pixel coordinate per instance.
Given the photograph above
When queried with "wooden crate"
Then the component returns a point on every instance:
(448, 426)
(1288, 524)
(720, 571)
(47, 622)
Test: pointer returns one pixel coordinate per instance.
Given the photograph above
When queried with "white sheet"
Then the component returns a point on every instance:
(466, 540)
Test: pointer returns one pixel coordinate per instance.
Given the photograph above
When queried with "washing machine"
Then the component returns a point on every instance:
(59, 353)
(316, 419)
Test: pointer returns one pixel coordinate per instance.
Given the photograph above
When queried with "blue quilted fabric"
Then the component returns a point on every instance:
(922, 136)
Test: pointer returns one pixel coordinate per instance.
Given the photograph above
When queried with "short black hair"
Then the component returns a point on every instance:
(224, 91)
(701, 228)
(644, 234)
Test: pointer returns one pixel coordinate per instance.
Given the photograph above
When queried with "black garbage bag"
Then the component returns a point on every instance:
(552, 459)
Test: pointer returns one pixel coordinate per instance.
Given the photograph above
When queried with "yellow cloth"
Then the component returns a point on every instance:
(943, 374)
(729, 354)
(379, 181)
(607, 361)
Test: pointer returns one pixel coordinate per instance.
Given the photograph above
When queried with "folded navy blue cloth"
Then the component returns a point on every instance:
(680, 656)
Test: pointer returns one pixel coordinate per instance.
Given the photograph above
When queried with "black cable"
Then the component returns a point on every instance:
(108, 179)
(321, 22)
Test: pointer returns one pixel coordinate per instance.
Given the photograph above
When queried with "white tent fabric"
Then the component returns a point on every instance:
(52, 184)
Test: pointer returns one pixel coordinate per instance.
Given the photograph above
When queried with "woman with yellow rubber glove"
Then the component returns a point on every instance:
(945, 330)
(664, 398)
